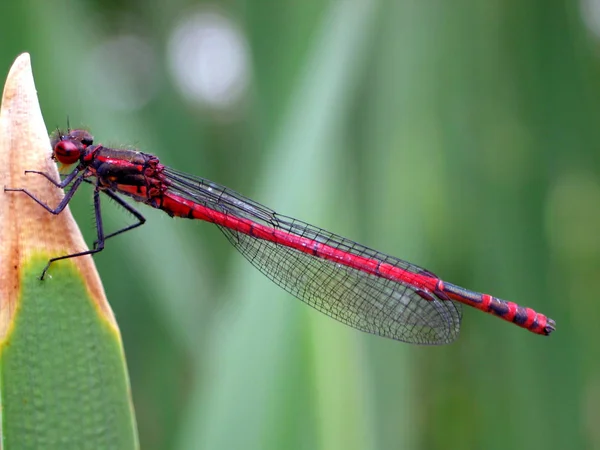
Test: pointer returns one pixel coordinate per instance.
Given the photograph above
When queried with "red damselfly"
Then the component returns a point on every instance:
(354, 284)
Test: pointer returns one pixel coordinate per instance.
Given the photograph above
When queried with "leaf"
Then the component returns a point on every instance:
(63, 375)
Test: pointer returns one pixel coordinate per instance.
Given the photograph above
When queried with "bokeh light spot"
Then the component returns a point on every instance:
(208, 59)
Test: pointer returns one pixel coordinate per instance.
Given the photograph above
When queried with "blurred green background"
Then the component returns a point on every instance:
(462, 136)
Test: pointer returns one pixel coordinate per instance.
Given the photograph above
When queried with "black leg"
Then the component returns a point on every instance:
(60, 184)
(63, 203)
(134, 212)
(98, 245)
(78, 179)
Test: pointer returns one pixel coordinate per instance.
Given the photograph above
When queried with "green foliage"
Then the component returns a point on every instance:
(63, 379)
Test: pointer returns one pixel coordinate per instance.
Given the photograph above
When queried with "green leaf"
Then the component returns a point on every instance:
(63, 381)
(63, 375)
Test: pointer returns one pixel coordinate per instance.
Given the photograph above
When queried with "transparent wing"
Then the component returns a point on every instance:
(363, 300)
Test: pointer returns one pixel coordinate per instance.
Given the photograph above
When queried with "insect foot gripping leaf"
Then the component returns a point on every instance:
(63, 375)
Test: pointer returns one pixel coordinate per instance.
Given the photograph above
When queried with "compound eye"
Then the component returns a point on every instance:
(68, 152)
